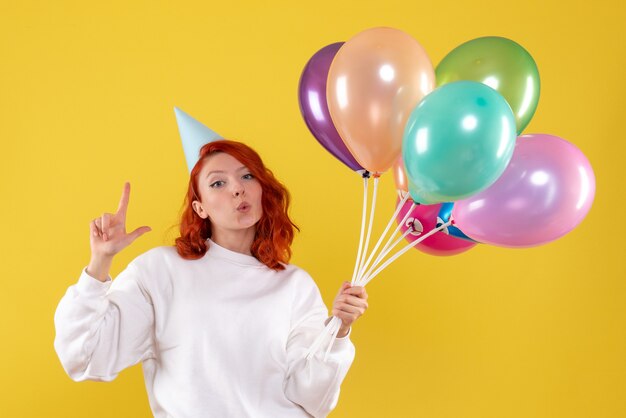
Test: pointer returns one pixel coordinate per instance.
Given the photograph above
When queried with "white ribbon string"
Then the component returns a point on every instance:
(405, 249)
(336, 322)
(360, 249)
(369, 228)
(364, 273)
(333, 336)
(386, 248)
(383, 254)
(380, 240)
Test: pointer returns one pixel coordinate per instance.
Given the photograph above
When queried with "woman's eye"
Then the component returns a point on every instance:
(248, 176)
(215, 184)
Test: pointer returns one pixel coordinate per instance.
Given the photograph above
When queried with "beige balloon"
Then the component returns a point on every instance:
(399, 176)
(374, 82)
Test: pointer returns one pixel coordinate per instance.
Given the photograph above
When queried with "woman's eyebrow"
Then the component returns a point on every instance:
(243, 167)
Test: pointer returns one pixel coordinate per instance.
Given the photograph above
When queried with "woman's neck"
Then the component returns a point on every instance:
(238, 241)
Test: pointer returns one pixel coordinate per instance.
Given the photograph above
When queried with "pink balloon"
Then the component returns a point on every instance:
(545, 192)
(440, 243)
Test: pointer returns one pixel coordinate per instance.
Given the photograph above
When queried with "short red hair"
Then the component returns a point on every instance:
(274, 231)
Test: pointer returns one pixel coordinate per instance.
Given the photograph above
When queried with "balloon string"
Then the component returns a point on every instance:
(332, 337)
(328, 329)
(404, 250)
(361, 272)
(369, 228)
(384, 254)
(386, 247)
(360, 249)
(335, 326)
(380, 240)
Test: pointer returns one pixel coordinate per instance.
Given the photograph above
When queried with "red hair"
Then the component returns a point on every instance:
(274, 231)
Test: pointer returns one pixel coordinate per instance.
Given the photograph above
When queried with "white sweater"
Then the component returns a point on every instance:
(222, 336)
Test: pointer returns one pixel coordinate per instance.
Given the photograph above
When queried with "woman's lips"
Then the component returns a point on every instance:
(243, 207)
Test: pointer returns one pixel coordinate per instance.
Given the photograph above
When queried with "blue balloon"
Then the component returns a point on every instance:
(445, 212)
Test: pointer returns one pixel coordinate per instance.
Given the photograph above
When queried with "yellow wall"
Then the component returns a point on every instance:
(86, 98)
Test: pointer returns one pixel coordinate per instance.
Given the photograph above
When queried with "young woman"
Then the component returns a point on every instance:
(220, 322)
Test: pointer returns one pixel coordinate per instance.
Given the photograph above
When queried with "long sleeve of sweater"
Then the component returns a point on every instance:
(314, 383)
(103, 327)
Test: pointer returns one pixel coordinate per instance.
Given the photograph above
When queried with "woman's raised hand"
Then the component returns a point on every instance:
(108, 237)
(350, 303)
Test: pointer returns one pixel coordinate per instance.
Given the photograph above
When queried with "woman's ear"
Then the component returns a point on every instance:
(197, 207)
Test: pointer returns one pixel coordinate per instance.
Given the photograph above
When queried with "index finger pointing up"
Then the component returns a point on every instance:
(121, 209)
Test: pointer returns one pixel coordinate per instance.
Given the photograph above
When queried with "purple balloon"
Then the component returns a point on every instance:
(545, 192)
(314, 108)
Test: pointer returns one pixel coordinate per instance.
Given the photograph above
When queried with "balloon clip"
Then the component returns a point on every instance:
(416, 226)
(402, 194)
(445, 229)
(364, 173)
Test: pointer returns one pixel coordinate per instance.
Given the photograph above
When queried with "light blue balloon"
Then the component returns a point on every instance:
(194, 135)
(457, 142)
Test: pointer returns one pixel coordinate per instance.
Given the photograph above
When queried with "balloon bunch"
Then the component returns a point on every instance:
(451, 135)
(460, 146)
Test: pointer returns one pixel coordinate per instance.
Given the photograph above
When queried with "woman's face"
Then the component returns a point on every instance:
(230, 195)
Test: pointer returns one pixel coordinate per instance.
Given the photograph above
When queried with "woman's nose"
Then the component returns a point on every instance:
(238, 189)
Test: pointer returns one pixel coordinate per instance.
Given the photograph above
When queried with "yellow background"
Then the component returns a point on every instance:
(87, 91)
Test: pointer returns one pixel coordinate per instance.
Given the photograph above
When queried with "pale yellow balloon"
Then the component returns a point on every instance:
(399, 176)
(374, 82)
